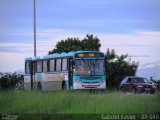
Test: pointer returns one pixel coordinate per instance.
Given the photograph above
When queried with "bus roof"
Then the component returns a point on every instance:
(57, 55)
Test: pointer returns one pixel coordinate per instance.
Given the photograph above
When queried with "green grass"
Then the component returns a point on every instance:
(73, 102)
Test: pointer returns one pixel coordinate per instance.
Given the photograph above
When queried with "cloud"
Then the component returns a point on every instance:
(116, 16)
(126, 26)
(150, 70)
(147, 39)
(140, 43)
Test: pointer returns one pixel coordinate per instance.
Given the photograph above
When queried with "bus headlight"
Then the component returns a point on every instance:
(102, 81)
(77, 84)
(76, 81)
(103, 84)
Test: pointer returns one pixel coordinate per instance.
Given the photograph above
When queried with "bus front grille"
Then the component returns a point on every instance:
(90, 82)
(90, 86)
(90, 78)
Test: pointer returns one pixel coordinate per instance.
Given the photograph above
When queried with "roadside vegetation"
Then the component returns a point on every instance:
(76, 102)
(11, 81)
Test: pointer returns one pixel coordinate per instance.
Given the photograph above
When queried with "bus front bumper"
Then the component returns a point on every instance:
(78, 85)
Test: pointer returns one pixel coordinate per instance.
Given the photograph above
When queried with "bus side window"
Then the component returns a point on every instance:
(39, 66)
(27, 66)
(52, 65)
(64, 64)
(58, 65)
(48, 65)
(45, 67)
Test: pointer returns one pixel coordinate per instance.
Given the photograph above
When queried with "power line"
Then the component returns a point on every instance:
(130, 56)
(151, 63)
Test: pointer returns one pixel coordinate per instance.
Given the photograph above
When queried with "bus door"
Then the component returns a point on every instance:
(33, 68)
(70, 72)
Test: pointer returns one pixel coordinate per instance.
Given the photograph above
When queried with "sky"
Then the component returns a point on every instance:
(128, 26)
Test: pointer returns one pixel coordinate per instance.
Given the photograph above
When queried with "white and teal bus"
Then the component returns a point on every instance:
(73, 70)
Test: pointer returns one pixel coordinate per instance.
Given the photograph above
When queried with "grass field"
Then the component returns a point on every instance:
(72, 102)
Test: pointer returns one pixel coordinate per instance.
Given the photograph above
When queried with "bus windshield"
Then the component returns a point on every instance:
(89, 67)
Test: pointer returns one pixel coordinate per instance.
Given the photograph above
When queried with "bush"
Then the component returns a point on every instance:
(158, 85)
(10, 81)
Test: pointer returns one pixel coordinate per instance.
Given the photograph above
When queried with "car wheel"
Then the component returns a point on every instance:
(122, 89)
(134, 90)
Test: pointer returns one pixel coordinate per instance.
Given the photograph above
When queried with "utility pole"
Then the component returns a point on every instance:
(34, 28)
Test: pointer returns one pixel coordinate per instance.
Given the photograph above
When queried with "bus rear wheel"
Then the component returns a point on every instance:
(64, 85)
(39, 86)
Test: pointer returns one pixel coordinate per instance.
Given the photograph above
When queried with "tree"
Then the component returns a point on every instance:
(117, 68)
(91, 43)
(74, 44)
(10, 81)
(70, 44)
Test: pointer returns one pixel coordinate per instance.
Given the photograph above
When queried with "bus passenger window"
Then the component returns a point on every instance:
(52, 64)
(39, 66)
(58, 65)
(48, 65)
(64, 64)
(27, 67)
(45, 66)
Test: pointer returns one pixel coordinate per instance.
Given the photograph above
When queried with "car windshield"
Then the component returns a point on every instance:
(89, 67)
(140, 80)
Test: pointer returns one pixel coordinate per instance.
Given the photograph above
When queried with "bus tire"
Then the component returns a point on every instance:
(64, 85)
(39, 86)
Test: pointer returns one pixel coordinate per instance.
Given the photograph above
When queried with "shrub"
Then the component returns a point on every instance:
(158, 85)
(10, 81)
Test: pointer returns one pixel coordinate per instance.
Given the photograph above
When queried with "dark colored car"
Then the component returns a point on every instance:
(137, 85)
